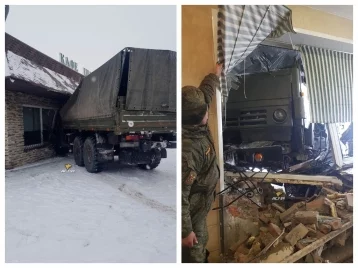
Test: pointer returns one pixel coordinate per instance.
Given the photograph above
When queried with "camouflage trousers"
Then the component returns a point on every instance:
(200, 206)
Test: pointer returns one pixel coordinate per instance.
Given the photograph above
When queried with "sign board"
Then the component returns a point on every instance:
(72, 64)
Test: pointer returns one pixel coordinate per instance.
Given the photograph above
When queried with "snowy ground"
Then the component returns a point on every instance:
(122, 214)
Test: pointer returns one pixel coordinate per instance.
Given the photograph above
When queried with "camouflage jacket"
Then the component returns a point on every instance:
(200, 171)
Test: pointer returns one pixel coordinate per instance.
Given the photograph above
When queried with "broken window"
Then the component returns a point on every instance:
(47, 118)
(37, 125)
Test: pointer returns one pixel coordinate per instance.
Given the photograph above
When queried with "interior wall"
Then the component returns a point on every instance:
(198, 60)
(320, 23)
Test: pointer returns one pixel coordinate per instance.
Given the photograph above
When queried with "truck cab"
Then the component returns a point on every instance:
(267, 121)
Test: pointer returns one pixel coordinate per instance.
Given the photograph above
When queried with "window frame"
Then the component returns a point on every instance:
(37, 145)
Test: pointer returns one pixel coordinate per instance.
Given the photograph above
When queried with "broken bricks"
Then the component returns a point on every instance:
(279, 253)
(340, 240)
(325, 228)
(267, 238)
(264, 219)
(306, 217)
(274, 229)
(278, 207)
(341, 204)
(349, 201)
(305, 242)
(311, 232)
(297, 233)
(319, 205)
(303, 224)
(287, 215)
(287, 224)
(335, 223)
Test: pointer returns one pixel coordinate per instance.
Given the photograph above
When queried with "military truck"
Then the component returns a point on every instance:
(124, 109)
(267, 118)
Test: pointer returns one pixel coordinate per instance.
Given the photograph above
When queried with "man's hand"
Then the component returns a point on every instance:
(218, 69)
(189, 241)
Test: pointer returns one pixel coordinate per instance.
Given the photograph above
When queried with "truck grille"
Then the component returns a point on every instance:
(253, 118)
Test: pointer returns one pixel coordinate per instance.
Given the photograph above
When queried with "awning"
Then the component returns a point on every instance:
(242, 28)
(329, 76)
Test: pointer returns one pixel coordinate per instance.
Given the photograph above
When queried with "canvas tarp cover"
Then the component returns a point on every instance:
(152, 81)
(96, 95)
(241, 28)
(265, 59)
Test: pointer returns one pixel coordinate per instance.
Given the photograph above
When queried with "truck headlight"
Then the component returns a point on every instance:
(279, 115)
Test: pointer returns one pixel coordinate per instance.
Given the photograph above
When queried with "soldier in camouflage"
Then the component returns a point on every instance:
(200, 171)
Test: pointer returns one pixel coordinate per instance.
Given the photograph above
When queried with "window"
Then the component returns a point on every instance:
(37, 125)
(47, 118)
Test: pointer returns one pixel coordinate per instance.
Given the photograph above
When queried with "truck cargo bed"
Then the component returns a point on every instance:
(136, 90)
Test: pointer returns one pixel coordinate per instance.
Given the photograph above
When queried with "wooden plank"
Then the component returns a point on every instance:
(289, 178)
(332, 206)
(335, 144)
(315, 245)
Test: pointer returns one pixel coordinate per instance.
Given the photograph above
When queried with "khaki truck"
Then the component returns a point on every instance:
(125, 108)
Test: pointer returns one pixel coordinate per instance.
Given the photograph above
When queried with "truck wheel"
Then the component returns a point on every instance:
(154, 161)
(78, 151)
(90, 155)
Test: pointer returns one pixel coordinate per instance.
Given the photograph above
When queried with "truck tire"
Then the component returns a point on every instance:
(90, 156)
(155, 161)
(78, 151)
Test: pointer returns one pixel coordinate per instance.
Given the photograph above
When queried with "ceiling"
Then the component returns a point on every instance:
(304, 39)
(345, 11)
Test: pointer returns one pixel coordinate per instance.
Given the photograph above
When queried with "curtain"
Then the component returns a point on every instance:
(241, 29)
(329, 77)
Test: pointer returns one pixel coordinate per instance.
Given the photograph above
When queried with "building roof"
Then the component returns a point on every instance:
(25, 63)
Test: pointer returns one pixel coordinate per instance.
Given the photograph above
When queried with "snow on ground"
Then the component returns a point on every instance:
(122, 214)
(24, 69)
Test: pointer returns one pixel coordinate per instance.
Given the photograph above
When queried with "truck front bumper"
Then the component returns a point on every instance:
(271, 155)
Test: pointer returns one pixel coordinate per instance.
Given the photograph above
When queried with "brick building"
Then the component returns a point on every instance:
(36, 87)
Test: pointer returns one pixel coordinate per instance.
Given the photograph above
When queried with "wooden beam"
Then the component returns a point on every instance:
(289, 178)
(317, 244)
(335, 145)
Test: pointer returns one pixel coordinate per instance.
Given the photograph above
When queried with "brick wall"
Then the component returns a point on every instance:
(15, 154)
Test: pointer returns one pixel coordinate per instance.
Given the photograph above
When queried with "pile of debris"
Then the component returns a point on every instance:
(299, 233)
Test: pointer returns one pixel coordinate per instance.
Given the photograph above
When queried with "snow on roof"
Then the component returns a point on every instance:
(24, 69)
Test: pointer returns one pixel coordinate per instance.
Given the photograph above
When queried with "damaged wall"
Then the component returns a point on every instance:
(197, 61)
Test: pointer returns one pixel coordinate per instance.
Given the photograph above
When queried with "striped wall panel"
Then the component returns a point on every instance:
(329, 76)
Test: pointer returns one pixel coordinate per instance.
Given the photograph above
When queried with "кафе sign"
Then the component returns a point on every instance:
(72, 64)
